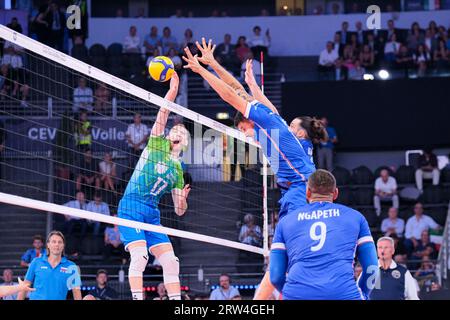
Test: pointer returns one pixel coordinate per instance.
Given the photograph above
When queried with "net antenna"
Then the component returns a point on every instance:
(75, 67)
(265, 182)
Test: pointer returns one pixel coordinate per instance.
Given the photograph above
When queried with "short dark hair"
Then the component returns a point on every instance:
(102, 271)
(256, 28)
(238, 118)
(38, 237)
(314, 128)
(322, 182)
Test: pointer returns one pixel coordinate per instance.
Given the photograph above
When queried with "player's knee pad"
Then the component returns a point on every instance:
(139, 260)
(171, 267)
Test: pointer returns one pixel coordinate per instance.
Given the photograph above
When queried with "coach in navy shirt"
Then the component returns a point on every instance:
(52, 275)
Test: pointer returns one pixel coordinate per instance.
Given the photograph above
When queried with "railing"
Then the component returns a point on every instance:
(443, 258)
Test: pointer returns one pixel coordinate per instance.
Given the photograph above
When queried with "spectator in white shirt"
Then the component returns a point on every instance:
(83, 97)
(137, 135)
(328, 59)
(224, 291)
(416, 225)
(132, 42)
(428, 169)
(393, 224)
(392, 48)
(12, 60)
(250, 232)
(97, 206)
(107, 170)
(259, 43)
(385, 190)
(71, 222)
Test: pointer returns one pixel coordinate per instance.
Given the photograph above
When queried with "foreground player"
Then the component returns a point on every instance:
(316, 247)
(157, 172)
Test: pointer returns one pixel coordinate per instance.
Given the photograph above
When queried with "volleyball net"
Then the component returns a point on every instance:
(74, 133)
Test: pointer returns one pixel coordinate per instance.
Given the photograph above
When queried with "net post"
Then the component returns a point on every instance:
(265, 209)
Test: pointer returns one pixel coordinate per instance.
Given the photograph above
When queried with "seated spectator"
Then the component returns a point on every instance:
(385, 190)
(132, 41)
(83, 132)
(16, 74)
(375, 46)
(225, 291)
(113, 244)
(101, 290)
(162, 292)
(8, 281)
(421, 60)
(428, 169)
(71, 222)
(357, 72)
(250, 232)
(107, 173)
(102, 98)
(82, 97)
(87, 176)
(188, 38)
(424, 247)
(441, 56)
(359, 32)
(416, 225)
(242, 49)
(367, 58)
(426, 270)
(357, 270)
(328, 59)
(97, 206)
(178, 14)
(168, 41)
(36, 252)
(152, 41)
(415, 37)
(156, 53)
(259, 43)
(393, 224)
(404, 59)
(173, 55)
(430, 42)
(15, 25)
(6, 84)
(137, 134)
(356, 46)
(391, 49)
(256, 68)
(227, 53)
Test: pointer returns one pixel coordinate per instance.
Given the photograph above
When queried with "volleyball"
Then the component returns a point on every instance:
(161, 68)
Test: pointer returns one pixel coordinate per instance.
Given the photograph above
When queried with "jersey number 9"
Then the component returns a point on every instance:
(321, 236)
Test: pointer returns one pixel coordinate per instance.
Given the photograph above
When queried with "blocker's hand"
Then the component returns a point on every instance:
(207, 51)
(192, 61)
(249, 75)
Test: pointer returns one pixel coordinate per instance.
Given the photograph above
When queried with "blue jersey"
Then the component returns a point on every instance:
(52, 283)
(287, 157)
(309, 149)
(321, 241)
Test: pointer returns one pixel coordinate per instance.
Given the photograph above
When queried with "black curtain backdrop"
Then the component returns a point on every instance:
(374, 115)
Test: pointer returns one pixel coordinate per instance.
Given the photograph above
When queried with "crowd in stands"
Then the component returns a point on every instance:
(351, 54)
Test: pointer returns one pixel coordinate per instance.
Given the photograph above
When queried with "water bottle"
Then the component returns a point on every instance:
(121, 275)
(200, 274)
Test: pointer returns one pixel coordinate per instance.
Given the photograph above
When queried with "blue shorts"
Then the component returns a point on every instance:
(138, 211)
(292, 199)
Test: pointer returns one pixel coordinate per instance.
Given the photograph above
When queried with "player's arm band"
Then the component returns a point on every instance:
(278, 267)
(367, 256)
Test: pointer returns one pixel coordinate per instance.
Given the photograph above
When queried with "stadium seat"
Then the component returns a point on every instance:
(371, 217)
(115, 49)
(445, 175)
(97, 50)
(80, 52)
(342, 175)
(97, 54)
(432, 195)
(363, 196)
(362, 175)
(405, 175)
(378, 170)
(345, 196)
(439, 214)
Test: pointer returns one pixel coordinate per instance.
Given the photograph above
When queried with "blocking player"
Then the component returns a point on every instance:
(316, 246)
(157, 172)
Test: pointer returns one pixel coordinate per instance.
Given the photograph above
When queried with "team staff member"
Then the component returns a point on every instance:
(396, 282)
(52, 275)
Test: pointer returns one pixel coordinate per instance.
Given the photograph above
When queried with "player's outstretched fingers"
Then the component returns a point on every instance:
(199, 46)
(188, 53)
(204, 43)
(210, 44)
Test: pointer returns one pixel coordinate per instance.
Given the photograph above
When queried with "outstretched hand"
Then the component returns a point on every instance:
(207, 51)
(249, 75)
(192, 61)
(24, 287)
(186, 190)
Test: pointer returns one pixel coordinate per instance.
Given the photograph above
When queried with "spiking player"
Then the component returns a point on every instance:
(316, 245)
(257, 117)
(157, 172)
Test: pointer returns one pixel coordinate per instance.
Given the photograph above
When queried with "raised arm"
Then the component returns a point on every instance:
(179, 197)
(237, 100)
(163, 113)
(207, 58)
(254, 88)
